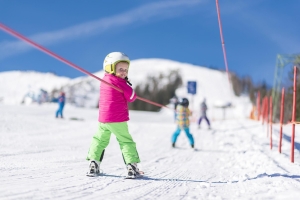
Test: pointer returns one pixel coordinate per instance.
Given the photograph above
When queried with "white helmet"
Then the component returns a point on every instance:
(110, 61)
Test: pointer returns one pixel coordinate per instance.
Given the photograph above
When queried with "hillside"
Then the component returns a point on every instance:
(211, 84)
(16, 85)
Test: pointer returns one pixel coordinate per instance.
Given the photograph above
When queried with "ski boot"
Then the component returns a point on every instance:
(94, 169)
(133, 171)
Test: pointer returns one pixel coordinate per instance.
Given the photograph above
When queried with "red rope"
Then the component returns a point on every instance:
(43, 49)
(222, 39)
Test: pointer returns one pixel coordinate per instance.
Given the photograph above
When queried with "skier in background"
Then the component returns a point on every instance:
(113, 116)
(61, 104)
(203, 109)
(183, 122)
(175, 101)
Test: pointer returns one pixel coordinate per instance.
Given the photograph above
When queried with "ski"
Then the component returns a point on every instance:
(140, 175)
(94, 174)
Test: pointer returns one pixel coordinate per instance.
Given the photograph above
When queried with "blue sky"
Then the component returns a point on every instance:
(84, 32)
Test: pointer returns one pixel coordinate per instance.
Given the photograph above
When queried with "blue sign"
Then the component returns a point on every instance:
(192, 87)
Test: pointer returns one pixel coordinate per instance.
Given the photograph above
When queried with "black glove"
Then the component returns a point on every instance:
(126, 78)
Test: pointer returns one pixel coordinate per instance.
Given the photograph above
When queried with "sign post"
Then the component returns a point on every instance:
(192, 89)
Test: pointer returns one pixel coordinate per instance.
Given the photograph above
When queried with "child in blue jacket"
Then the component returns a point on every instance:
(61, 104)
(183, 123)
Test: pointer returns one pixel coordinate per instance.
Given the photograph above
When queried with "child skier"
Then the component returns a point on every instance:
(61, 104)
(113, 116)
(183, 122)
(203, 109)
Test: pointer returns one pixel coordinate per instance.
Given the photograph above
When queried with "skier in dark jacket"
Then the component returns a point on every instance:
(61, 104)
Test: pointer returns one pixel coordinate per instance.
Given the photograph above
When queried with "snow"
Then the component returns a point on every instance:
(14, 85)
(211, 84)
(44, 158)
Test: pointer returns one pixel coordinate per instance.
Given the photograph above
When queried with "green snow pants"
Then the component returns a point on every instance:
(101, 139)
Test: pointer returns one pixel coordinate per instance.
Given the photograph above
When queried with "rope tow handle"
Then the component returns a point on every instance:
(43, 49)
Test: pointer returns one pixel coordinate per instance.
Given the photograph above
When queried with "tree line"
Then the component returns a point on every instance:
(245, 85)
(159, 89)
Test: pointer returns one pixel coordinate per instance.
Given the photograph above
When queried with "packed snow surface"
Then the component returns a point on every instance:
(42, 157)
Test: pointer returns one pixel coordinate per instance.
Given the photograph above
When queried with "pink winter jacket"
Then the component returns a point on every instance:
(113, 105)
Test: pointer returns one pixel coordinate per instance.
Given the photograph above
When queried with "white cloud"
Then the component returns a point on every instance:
(165, 9)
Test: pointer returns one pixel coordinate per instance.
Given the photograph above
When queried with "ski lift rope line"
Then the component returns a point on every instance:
(43, 49)
(294, 123)
(222, 40)
(283, 124)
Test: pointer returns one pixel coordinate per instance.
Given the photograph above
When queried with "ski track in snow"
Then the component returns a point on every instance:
(44, 158)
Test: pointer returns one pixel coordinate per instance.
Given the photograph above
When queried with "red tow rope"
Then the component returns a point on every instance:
(43, 49)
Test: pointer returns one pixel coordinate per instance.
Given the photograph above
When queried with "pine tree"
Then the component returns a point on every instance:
(156, 89)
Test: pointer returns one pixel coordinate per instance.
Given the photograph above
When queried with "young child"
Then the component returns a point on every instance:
(61, 104)
(203, 109)
(113, 116)
(183, 122)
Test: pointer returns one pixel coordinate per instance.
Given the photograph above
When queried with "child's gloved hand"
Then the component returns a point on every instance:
(127, 80)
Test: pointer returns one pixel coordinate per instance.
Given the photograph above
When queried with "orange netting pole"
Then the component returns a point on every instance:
(294, 115)
(281, 119)
(258, 105)
(271, 121)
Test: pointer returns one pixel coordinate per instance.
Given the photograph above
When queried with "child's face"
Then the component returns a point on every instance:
(122, 69)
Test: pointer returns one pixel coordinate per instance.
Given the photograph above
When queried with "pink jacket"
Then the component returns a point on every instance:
(113, 105)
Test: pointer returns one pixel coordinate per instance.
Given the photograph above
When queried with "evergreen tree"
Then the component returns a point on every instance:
(159, 89)
(288, 103)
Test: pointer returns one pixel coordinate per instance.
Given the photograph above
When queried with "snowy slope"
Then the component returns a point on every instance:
(44, 158)
(83, 91)
(211, 84)
(14, 85)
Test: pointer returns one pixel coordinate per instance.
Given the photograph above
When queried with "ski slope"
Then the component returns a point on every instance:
(213, 85)
(44, 158)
